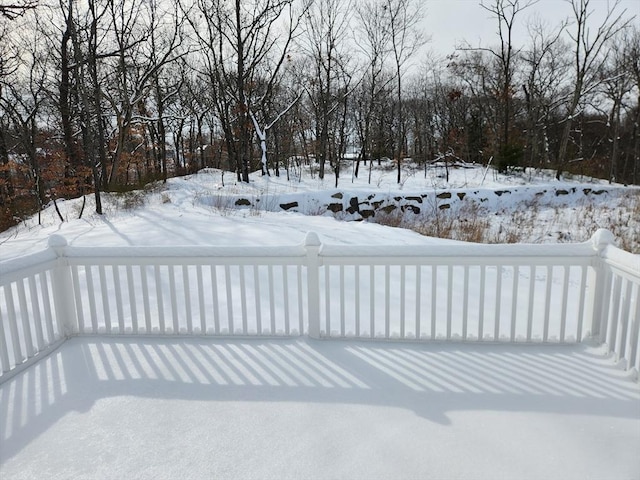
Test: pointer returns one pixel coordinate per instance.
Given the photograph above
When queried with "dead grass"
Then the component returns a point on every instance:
(527, 223)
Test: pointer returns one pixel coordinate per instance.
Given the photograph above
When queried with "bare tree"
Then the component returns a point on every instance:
(633, 67)
(587, 53)
(617, 84)
(24, 95)
(141, 54)
(376, 46)
(243, 56)
(325, 43)
(402, 19)
(546, 65)
(504, 56)
(18, 8)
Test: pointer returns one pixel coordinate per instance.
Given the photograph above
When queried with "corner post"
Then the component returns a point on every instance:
(62, 287)
(312, 246)
(599, 301)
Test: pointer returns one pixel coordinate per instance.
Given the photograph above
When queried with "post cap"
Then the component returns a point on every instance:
(602, 238)
(312, 240)
(56, 240)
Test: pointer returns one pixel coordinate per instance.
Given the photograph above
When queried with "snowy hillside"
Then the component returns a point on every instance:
(211, 208)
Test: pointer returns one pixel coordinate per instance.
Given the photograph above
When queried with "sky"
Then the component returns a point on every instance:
(449, 22)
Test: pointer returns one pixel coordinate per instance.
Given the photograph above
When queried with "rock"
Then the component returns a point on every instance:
(335, 207)
(461, 195)
(243, 202)
(414, 199)
(367, 213)
(388, 208)
(353, 205)
(415, 209)
(337, 195)
(444, 206)
(288, 206)
(444, 195)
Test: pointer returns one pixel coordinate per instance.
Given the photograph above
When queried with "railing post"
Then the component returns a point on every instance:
(62, 286)
(312, 245)
(599, 304)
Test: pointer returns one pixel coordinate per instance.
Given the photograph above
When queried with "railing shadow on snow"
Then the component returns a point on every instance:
(431, 380)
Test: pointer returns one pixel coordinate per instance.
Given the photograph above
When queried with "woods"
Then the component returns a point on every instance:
(108, 95)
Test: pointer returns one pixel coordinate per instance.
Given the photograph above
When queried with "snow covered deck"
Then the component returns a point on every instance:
(125, 407)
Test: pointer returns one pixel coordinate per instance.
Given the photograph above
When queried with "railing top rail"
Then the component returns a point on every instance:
(27, 264)
(462, 250)
(622, 260)
(185, 251)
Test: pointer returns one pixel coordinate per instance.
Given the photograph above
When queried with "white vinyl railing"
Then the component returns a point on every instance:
(499, 293)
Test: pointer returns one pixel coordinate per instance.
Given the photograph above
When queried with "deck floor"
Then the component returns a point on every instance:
(151, 408)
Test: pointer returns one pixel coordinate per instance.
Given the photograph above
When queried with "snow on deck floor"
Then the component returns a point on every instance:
(295, 408)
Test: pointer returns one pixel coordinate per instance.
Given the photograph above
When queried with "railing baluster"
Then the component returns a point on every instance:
(357, 299)
(403, 320)
(581, 302)
(614, 312)
(483, 274)
(341, 288)
(327, 301)
(4, 348)
(159, 299)
(387, 301)
(13, 324)
(372, 301)
(117, 286)
(132, 300)
(48, 311)
(514, 302)
(75, 280)
(272, 301)
(105, 298)
(285, 284)
(91, 293)
(187, 298)
(26, 321)
(216, 303)
(434, 292)
(498, 298)
(300, 304)
(565, 293)
(256, 279)
(532, 292)
(243, 301)
(173, 299)
(449, 300)
(418, 298)
(227, 284)
(547, 303)
(145, 298)
(203, 317)
(625, 302)
(633, 359)
(37, 318)
(465, 302)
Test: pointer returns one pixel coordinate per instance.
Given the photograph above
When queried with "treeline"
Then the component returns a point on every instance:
(106, 95)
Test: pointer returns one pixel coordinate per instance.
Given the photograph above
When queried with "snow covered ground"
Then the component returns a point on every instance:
(296, 408)
(290, 409)
(201, 210)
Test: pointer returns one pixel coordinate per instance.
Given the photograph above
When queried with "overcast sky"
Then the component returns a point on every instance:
(449, 22)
